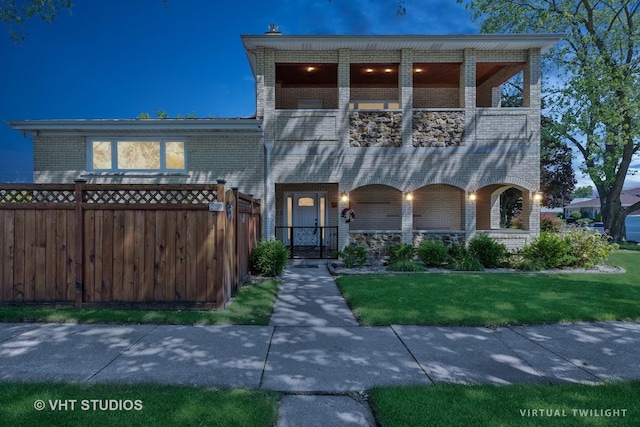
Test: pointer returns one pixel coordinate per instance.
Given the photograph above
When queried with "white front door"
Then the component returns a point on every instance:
(306, 219)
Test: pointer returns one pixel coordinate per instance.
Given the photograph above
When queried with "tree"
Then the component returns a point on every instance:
(595, 103)
(16, 12)
(584, 192)
(557, 178)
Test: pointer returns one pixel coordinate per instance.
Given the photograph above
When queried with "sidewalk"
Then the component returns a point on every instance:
(314, 352)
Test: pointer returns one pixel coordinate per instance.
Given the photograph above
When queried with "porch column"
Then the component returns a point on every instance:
(407, 218)
(343, 227)
(468, 93)
(470, 214)
(531, 207)
(344, 96)
(406, 96)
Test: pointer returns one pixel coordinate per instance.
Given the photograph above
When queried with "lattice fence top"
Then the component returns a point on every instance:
(149, 196)
(43, 195)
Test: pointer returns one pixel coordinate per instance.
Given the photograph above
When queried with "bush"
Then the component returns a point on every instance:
(550, 250)
(490, 253)
(433, 253)
(550, 222)
(589, 247)
(467, 262)
(353, 256)
(269, 258)
(402, 252)
(405, 266)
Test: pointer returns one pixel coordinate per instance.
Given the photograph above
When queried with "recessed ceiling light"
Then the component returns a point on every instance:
(418, 70)
(369, 70)
(310, 69)
(388, 70)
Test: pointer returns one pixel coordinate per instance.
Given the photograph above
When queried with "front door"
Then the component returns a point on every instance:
(305, 219)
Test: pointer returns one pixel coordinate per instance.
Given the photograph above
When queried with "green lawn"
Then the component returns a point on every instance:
(140, 405)
(488, 405)
(253, 305)
(490, 299)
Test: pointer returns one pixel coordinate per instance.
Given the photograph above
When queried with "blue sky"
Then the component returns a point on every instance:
(119, 58)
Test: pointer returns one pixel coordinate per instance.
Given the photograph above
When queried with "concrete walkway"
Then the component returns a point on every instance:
(316, 355)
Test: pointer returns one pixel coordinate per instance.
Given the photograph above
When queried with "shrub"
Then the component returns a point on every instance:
(353, 256)
(550, 250)
(402, 252)
(550, 222)
(467, 262)
(433, 253)
(490, 253)
(269, 258)
(405, 265)
(589, 247)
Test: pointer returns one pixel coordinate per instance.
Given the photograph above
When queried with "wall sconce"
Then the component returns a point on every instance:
(537, 196)
(408, 196)
(344, 197)
(473, 196)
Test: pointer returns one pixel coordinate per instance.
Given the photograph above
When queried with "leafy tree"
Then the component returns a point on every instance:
(16, 12)
(583, 192)
(595, 103)
(557, 178)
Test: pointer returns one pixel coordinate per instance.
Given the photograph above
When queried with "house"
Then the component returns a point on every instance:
(368, 140)
(590, 208)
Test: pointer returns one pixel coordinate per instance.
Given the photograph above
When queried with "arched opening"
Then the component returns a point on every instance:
(439, 207)
(503, 207)
(376, 208)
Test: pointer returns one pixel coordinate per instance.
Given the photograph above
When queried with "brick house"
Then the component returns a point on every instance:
(372, 140)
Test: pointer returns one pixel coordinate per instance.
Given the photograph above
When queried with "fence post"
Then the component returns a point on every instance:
(79, 242)
(221, 217)
(236, 222)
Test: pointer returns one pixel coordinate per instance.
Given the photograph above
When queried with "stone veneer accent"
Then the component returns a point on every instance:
(446, 237)
(376, 243)
(438, 128)
(375, 129)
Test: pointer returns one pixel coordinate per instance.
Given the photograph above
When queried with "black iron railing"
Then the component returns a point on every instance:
(309, 242)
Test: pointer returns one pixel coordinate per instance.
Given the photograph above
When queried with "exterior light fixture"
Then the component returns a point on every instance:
(388, 70)
(408, 196)
(537, 196)
(473, 196)
(369, 70)
(418, 70)
(344, 197)
(310, 69)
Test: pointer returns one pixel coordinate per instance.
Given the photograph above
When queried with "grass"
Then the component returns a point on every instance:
(495, 299)
(158, 405)
(253, 305)
(489, 405)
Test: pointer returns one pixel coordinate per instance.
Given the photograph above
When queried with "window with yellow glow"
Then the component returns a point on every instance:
(136, 155)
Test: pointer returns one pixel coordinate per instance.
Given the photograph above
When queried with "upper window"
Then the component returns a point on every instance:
(136, 155)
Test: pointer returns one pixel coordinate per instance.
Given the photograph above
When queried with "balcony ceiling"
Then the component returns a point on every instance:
(443, 75)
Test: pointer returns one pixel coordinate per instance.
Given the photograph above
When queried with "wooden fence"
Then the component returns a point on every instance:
(125, 245)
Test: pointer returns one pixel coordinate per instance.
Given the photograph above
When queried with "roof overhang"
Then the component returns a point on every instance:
(91, 127)
(487, 42)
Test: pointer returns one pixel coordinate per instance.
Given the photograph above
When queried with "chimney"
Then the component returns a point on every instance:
(273, 30)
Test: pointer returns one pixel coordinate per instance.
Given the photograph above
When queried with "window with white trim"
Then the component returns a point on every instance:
(140, 155)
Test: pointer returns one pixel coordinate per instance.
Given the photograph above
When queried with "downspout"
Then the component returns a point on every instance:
(267, 188)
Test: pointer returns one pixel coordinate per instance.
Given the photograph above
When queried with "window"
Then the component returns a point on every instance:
(165, 155)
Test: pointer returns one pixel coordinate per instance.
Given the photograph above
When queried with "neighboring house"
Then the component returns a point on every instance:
(590, 208)
(371, 140)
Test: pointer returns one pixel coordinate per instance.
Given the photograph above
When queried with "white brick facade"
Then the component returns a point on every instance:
(286, 149)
